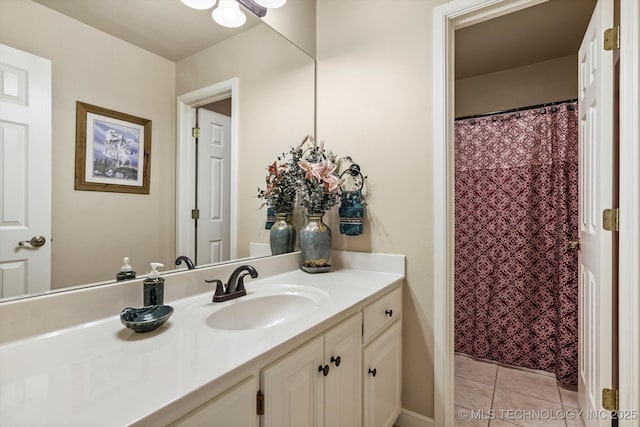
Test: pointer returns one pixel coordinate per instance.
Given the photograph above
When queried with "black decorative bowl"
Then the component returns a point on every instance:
(145, 319)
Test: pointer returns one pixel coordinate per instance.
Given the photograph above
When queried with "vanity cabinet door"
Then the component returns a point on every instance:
(293, 388)
(235, 407)
(382, 370)
(343, 390)
(319, 384)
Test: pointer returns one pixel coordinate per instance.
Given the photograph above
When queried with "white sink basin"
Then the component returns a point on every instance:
(266, 306)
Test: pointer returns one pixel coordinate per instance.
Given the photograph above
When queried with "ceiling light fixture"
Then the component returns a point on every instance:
(199, 4)
(271, 4)
(228, 14)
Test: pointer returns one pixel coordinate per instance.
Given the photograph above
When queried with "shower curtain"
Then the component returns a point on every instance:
(516, 210)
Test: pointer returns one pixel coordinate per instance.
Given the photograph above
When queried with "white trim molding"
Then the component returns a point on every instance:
(185, 161)
(629, 235)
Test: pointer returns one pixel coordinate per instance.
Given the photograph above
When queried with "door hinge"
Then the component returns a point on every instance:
(611, 219)
(610, 399)
(195, 132)
(195, 213)
(612, 38)
(260, 403)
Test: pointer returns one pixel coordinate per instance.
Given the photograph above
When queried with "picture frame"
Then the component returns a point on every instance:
(113, 151)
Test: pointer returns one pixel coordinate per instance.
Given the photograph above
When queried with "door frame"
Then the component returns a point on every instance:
(186, 158)
(458, 14)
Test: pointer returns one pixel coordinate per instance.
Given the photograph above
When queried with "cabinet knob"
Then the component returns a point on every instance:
(373, 372)
(389, 312)
(324, 369)
(335, 360)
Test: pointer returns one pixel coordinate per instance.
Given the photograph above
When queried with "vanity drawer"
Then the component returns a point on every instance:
(381, 313)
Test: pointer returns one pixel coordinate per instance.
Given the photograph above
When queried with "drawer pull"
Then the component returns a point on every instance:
(324, 369)
(389, 312)
(335, 360)
(373, 372)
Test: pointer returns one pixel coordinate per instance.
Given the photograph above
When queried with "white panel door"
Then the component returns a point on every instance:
(595, 97)
(213, 233)
(342, 389)
(25, 172)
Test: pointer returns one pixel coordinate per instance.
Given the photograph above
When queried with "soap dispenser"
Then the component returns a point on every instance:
(153, 292)
(126, 272)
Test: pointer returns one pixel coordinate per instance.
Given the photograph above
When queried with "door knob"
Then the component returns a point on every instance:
(574, 244)
(36, 241)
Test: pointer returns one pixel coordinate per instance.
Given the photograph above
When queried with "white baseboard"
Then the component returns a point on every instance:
(409, 418)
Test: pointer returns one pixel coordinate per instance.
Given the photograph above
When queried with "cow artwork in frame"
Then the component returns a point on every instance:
(113, 150)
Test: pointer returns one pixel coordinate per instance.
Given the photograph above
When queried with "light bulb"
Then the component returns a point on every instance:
(228, 14)
(271, 4)
(199, 4)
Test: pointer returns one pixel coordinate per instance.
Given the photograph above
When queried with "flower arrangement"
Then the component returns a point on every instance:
(281, 183)
(309, 172)
(308, 175)
(317, 180)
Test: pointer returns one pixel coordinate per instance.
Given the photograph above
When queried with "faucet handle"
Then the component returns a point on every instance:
(219, 287)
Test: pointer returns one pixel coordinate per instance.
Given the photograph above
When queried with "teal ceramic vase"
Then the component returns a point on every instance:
(315, 244)
(282, 237)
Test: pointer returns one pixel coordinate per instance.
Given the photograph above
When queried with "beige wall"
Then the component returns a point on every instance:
(276, 86)
(548, 81)
(375, 103)
(296, 21)
(91, 230)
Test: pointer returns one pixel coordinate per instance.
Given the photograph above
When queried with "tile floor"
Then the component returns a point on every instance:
(491, 395)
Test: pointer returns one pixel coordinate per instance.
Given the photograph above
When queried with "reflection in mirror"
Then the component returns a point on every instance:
(93, 231)
(296, 21)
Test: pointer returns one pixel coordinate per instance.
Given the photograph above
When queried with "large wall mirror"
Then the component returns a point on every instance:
(143, 68)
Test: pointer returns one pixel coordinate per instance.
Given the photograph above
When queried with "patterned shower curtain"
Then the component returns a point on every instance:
(516, 210)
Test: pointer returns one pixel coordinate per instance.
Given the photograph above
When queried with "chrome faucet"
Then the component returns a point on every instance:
(186, 260)
(235, 286)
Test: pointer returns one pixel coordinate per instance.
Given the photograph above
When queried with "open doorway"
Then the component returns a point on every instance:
(460, 14)
(516, 198)
(206, 195)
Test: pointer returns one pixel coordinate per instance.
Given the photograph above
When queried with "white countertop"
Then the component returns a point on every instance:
(101, 373)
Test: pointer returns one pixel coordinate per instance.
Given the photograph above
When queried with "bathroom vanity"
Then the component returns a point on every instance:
(298, 349)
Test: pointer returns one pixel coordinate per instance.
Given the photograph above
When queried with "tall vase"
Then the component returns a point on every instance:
(283, 234)
(315, 243)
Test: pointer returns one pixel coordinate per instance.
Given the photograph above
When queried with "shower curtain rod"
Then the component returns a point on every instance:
(514, 110)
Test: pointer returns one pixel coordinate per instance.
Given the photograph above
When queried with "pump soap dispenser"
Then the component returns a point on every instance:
(126, 272)
(153, 286)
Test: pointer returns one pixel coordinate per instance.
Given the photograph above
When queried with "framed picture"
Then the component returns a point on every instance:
(113, 150)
